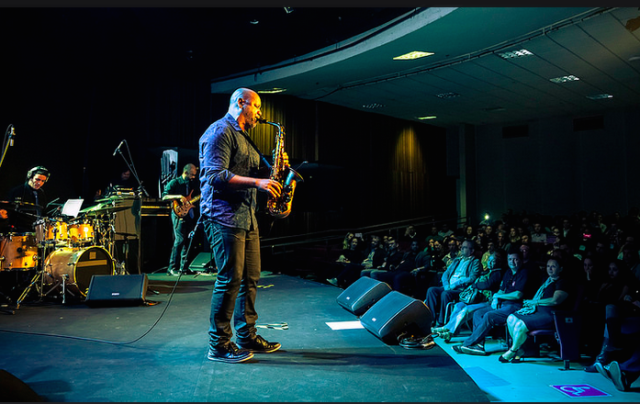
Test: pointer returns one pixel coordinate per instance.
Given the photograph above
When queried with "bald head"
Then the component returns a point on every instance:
(244, 106)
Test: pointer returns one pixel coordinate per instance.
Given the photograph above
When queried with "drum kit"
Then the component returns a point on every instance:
(65, 252)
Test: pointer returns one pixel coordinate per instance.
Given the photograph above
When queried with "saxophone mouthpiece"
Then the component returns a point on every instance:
(260, 120)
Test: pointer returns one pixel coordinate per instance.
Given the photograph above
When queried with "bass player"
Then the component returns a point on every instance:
(184, 193)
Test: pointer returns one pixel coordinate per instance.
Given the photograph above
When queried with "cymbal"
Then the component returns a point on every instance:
(7, 205)
(18, 206)
(99, 210)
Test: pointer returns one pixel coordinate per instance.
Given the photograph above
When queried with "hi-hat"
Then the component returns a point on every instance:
(19, 206)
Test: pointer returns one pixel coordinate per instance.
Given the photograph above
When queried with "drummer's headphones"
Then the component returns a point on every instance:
(38, 170)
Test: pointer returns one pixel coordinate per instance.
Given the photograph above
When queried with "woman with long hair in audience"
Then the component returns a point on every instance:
(536, 314)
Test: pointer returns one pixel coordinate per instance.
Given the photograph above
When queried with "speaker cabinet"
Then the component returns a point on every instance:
(395, 314)
(362, 294)
(117, 290)
(15, 390)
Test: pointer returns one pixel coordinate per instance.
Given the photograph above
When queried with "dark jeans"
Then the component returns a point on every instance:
(237, 256)
(486, 318)
(181, 229)
(438, 299)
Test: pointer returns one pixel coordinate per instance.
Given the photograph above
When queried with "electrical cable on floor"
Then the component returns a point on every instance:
(101, 340)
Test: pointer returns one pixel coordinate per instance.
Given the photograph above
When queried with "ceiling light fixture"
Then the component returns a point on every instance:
(564, 79)
(413, 55)
(448, 95)
(515, 54)
(274, 90)
(600, 97)
(495, 109)
(424, 118)
(373, 105)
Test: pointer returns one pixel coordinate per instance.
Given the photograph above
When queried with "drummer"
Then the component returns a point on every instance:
(29, 201)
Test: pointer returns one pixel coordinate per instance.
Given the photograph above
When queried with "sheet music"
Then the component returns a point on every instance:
(72, 207)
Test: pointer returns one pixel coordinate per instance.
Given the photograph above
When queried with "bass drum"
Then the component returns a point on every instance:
(80, 264)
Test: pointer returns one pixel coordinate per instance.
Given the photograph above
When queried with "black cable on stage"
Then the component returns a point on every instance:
(101, 340)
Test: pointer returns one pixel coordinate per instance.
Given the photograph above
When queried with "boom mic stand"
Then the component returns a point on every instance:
(130, 165)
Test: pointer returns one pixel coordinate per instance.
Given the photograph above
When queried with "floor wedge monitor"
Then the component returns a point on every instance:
(117, 290)
(396, 314)
(362, 294)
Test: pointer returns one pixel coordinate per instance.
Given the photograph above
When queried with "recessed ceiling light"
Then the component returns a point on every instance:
(515, 54)
(448, 95)
(564, 79)
(424, 118)
(413, 55)
(272, 91)
(373, 105)
(600, 96)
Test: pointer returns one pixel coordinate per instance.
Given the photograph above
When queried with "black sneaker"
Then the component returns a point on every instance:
(476, 349)
(259, 344)
(228, 353)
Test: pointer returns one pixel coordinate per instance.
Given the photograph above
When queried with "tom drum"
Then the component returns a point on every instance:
(81, 233)
(18, 251)
(51, 231)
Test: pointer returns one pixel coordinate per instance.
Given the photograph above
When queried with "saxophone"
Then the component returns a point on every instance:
(280, 207)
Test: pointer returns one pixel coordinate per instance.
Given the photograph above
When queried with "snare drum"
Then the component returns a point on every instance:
(80, 264)
(18, 252)
(80, 233)
(51, 231)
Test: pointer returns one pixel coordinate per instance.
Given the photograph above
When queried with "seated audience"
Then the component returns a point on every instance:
(487, 284)
(506, 301)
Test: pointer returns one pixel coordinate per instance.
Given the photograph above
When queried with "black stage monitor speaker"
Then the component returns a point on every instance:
(13, 389)
(117, 290)
(362, 294)
(396, 314)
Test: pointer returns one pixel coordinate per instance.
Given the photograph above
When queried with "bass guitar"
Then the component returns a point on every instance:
(182, 209)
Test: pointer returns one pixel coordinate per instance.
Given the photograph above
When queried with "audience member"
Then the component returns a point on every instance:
(400, 277)
(374, 257)
(491, 248)
(347, 240)
(612, 307)
(536, 313)
(463, 270)
(452, 250)
(445, 231)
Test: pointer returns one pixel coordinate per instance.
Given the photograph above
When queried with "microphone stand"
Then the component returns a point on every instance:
(132, 168)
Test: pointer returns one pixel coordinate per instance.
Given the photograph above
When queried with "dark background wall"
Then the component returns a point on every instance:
(70, 113)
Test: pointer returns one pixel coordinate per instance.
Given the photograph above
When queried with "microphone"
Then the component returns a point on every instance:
(11, 136)
(118, 148)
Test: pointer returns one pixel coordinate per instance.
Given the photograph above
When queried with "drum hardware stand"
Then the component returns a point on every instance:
(64, 288)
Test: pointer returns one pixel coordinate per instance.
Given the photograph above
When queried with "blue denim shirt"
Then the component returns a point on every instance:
(225, 152)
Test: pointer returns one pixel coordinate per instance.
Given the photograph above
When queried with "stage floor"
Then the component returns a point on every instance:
(74, 353)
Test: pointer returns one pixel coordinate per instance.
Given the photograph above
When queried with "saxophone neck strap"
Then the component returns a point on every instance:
(264, 160)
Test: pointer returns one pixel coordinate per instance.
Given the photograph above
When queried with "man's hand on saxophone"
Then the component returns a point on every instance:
(274, 188)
